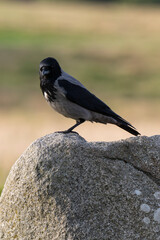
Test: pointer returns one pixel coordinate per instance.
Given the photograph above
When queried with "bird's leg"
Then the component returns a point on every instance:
(78, 122)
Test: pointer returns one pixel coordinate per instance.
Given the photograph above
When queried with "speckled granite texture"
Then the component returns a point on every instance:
(64, 188)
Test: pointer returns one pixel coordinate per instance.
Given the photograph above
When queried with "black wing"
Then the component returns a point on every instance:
(82, 97)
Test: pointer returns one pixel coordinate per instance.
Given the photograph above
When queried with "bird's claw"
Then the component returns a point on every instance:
(66, 131)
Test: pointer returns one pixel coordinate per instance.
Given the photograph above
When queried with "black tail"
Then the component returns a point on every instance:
(129, 128)
(122, 123)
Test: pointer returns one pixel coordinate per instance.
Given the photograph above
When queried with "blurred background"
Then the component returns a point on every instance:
(112, 47)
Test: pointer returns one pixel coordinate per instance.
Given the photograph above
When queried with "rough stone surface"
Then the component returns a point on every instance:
(64, 188)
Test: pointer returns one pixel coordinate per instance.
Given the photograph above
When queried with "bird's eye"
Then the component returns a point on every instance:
(45, 68)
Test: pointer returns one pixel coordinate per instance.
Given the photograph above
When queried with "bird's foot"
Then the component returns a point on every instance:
(66, 131)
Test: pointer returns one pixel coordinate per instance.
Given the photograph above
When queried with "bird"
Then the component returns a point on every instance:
(69, 97)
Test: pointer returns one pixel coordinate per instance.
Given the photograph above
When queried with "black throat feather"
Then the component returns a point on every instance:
(50, 90)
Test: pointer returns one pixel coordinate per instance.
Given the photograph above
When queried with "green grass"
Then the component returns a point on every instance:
(122, 73)
(117, 55)
(1, 188)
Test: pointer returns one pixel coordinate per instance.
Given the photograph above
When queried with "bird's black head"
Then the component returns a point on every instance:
(49, 69)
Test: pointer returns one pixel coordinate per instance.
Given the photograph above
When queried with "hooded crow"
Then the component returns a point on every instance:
(69, 97)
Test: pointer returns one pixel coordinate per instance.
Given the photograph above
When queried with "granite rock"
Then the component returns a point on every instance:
(65, 188)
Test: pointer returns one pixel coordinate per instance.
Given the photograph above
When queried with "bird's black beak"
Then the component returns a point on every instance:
(45, 72)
